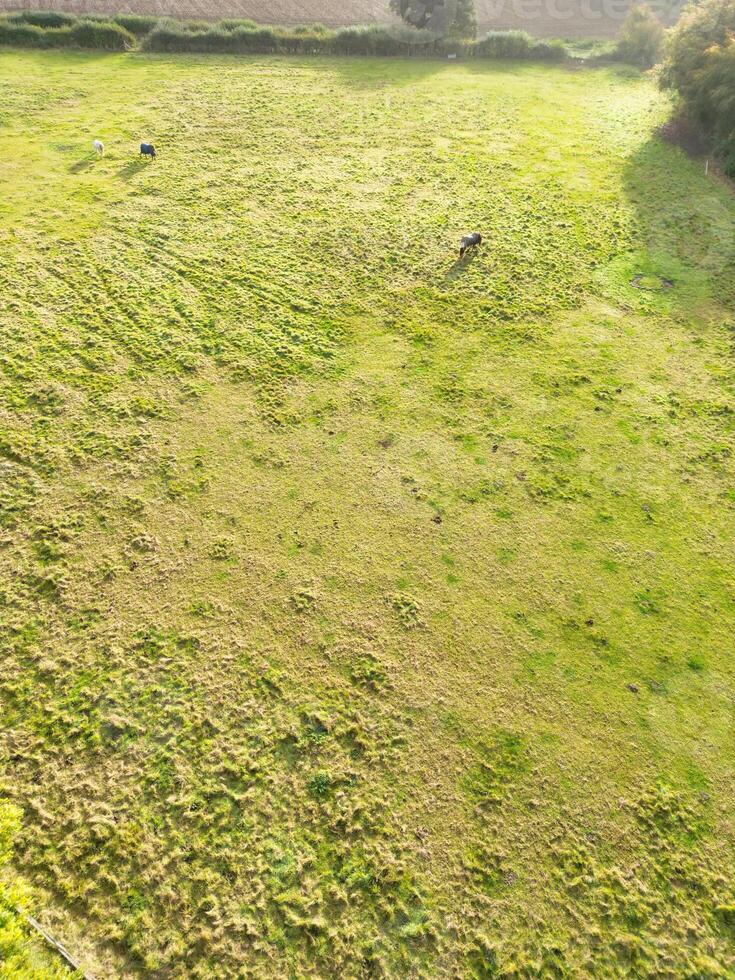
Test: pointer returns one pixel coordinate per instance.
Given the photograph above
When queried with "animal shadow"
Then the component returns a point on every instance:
(131, 169)
(461, 265)
(84, 164)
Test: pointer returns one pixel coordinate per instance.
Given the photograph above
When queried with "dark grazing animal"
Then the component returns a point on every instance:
(469, 241)
(148, 150)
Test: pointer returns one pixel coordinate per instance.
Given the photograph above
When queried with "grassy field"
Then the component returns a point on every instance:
(364, 613)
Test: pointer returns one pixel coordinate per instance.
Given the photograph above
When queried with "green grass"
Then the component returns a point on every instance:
(364, 613)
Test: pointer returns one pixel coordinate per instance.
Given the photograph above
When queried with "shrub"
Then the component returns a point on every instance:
(641, 37)
(137, 24)
(101, 35)
(22, 35)
(81, 34)
(44, 18)
(700, 67)
(504, 44)
(549, 51)
(360, 40)
(171, 37)
(701, 30)
(168, 36)
(384, 41)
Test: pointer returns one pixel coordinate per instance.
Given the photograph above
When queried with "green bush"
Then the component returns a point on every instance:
(700, 67)
(22, 35)
(504, 44)
(641, 38)
(86, 33)
(101, 35)
(383, 41)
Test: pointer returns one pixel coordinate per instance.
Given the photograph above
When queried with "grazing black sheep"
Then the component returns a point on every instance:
(148, 150)
(469, 241)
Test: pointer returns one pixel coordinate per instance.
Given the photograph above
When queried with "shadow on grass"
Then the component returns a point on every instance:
(686, 223)
(132, 168)
(84, 164)
(460, 266)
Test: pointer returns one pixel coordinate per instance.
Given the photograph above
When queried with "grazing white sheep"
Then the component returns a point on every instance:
(99, 147)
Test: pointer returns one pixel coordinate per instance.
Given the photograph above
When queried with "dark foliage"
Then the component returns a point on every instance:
(453, 18)
(700, 67)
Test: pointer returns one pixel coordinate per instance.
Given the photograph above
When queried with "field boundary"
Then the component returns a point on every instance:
(126, 32)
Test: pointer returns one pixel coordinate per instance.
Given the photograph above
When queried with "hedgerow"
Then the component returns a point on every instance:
(516, 44)
(86, 33)
(232, 36)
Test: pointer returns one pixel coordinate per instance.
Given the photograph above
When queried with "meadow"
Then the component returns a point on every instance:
(365, 613)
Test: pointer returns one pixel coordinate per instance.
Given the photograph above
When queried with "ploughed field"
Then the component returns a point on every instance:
(365, 613)
(560, 18)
